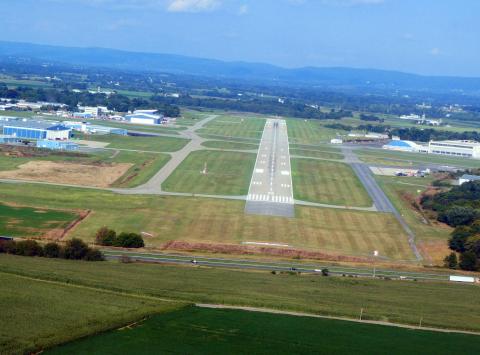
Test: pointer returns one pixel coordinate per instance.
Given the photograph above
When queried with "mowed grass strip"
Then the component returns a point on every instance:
(316, 154)
(221, 331)
(230, 145)
(234, 126)
(327, 182)
(308, 131)
(154, 144)
(227, 173)
(190, 219)
(31, 222)
(38, 314)
(392, 301)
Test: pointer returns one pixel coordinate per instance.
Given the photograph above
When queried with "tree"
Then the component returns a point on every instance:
(28, 248)
(75, 249)
(129, 240)
(469, 261)
(105, 236)
(51, 250)
(94, 255)
(458, 238)
(451, 260)
(457, 216)
(473, 245)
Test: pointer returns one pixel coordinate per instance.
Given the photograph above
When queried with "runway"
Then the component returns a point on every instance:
(271, 191)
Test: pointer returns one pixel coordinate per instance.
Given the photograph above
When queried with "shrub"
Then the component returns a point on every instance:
(94, 255)
(10, 247)
(105, 237)
(468, 261)
(451, 261)
(28, 248)
(51, 250)
(129, 240)
(75, 249)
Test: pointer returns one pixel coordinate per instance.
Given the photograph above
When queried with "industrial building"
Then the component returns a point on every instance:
(57, 145)
(405, 146)
(145, 117)
(88, 128)
(466, 149)
(28, 129)
(467, 178)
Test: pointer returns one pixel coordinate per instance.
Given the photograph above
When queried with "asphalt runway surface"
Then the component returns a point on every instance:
(271, 191)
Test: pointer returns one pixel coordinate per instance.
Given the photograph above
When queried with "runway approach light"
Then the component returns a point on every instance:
(375, 253)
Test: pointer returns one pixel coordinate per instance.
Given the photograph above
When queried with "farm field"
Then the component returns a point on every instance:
(431, 236)
(215, 331)
(234, 126)
(308, 132)
(327, 182)
(154, 144)
(316, 154)
(391, 301)
(228, 173)
(38, 314)
(416, 158)
(217, 221)
(230, 145)
(19, 221)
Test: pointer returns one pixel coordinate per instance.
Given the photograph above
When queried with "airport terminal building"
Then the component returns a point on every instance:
(465, 149)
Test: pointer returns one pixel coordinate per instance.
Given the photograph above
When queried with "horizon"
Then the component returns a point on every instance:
(425, 38)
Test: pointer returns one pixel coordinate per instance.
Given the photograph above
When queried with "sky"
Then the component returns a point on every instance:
(432, 37)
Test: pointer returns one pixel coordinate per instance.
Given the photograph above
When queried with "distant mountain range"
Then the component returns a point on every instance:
(337, 77)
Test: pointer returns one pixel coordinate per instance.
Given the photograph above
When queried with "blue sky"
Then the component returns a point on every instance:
(440, 37)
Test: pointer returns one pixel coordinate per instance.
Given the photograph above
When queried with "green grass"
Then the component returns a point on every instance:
(38, 314)
(228, 173)
(169, 218)
(219, 331)
(393, 301)
(234, 126)
(230, 145)
(417, 158)
(327, 182)
(145, 165)
(31, 222)
(154, 144)
(308, 132)
(15, 83)
(320, 147)
(316, 154)
(139, 127)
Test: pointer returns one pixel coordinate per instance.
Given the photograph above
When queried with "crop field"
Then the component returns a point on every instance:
(230, 145)
(192, 220)
(391, 301)
(308, 132)
(31, 222)
(38, 314)
(153, 144)
(431, 236)
(316, 154)
(219, 331)
(227, 173)
(327, 182)
(234, 126)
(417, 158)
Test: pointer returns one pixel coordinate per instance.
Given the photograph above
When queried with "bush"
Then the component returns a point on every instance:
(458, 238)
(94, 255)
(129, 240)
(28, 248)
(75, 249)
(10, 247)
(468, 261)
(51, 250)
(105, 236)
(451, 261)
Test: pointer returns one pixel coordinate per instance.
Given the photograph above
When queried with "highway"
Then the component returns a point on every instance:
(270, 191)
(281, 266)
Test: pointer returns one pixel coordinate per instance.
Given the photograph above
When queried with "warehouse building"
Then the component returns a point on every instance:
(466, 149)
(405, 146)
(145, 117)
(56, 145)
(28, 129)
(467, 178)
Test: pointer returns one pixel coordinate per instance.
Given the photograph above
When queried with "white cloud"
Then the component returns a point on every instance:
(192, 5)
(243, 9)
(339, 2)
(435, 51)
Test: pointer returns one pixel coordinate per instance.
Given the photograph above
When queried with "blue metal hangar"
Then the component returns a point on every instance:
(37, 130)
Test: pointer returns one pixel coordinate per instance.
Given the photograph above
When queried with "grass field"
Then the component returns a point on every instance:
(320, 147)
(394, 301)
(416, 158)
(431, 236)
(308, 132)
(327, 182)
(140, 127)
(228, 173)
(230, 145)
(31, 222)
(316, 154)
(154, 144)
(38, 314)
(219, 221)
(218, 331)
(234, 126)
